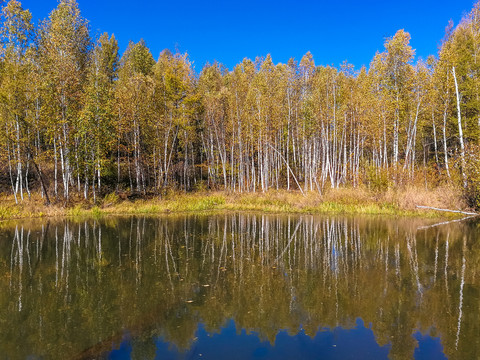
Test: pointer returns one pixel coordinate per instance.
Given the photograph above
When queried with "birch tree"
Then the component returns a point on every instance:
(65, 47)
(95, 135)
(16, 55)
(134, 94)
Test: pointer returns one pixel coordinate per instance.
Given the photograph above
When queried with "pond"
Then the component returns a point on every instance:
(239, 286)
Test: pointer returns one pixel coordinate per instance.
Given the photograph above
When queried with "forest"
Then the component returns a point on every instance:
(80, 120)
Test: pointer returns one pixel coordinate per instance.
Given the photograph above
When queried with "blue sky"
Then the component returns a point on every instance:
(228, 31)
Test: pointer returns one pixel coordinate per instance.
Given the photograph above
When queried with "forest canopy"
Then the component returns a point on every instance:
(77, 118)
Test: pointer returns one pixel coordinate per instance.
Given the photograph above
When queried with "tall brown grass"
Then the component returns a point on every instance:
(361, 200)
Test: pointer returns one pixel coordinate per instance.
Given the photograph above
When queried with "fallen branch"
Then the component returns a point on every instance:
(288, 167)
(448, 210)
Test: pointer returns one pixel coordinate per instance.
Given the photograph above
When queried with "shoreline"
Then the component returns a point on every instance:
(347, 201)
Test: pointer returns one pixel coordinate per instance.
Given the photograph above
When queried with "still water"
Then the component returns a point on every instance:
(239, 286)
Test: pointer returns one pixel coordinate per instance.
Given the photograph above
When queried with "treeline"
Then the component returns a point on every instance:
(79, 119)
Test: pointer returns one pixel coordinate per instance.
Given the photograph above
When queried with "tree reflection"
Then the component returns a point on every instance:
(75, 288)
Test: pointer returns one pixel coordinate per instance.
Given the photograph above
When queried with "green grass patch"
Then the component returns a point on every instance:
(9, 212)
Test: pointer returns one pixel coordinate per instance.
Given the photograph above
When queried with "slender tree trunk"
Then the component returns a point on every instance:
(10, 170)
(434, 136)
(19, 183)
(460, 130)
(55, 166)
(42, 182)
(444, 133)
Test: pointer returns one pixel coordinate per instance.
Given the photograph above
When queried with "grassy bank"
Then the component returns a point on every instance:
(339, 201)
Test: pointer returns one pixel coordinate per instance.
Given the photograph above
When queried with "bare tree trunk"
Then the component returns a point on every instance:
(460, 130)
(444, 132)
(42, 182)
(10, 170)
(56, 166)
(435, 137)
(19, 161)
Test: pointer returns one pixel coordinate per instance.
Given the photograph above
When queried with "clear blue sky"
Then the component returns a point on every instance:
(228, 31)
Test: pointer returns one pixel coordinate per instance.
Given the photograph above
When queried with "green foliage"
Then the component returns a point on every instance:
(376, 179)
(472, 173)
(111, 198)
(96, 212)
(200, 186)
(76, 211)
(8, 212)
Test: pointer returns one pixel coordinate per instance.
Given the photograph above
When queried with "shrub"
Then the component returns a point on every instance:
(376, 179)
(111, 198)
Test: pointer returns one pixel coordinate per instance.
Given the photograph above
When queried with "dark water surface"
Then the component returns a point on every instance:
(239, 286)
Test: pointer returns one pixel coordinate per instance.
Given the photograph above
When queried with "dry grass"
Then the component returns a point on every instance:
(442, 197)
(28, 208)
(399, 202)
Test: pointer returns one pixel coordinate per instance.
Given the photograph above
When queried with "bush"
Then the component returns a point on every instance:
(111, 198)
(376, 179)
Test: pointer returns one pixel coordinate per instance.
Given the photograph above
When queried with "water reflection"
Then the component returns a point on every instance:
(75, 289)
(233, 343)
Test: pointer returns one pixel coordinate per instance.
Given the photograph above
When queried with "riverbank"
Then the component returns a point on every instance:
(401, 202)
